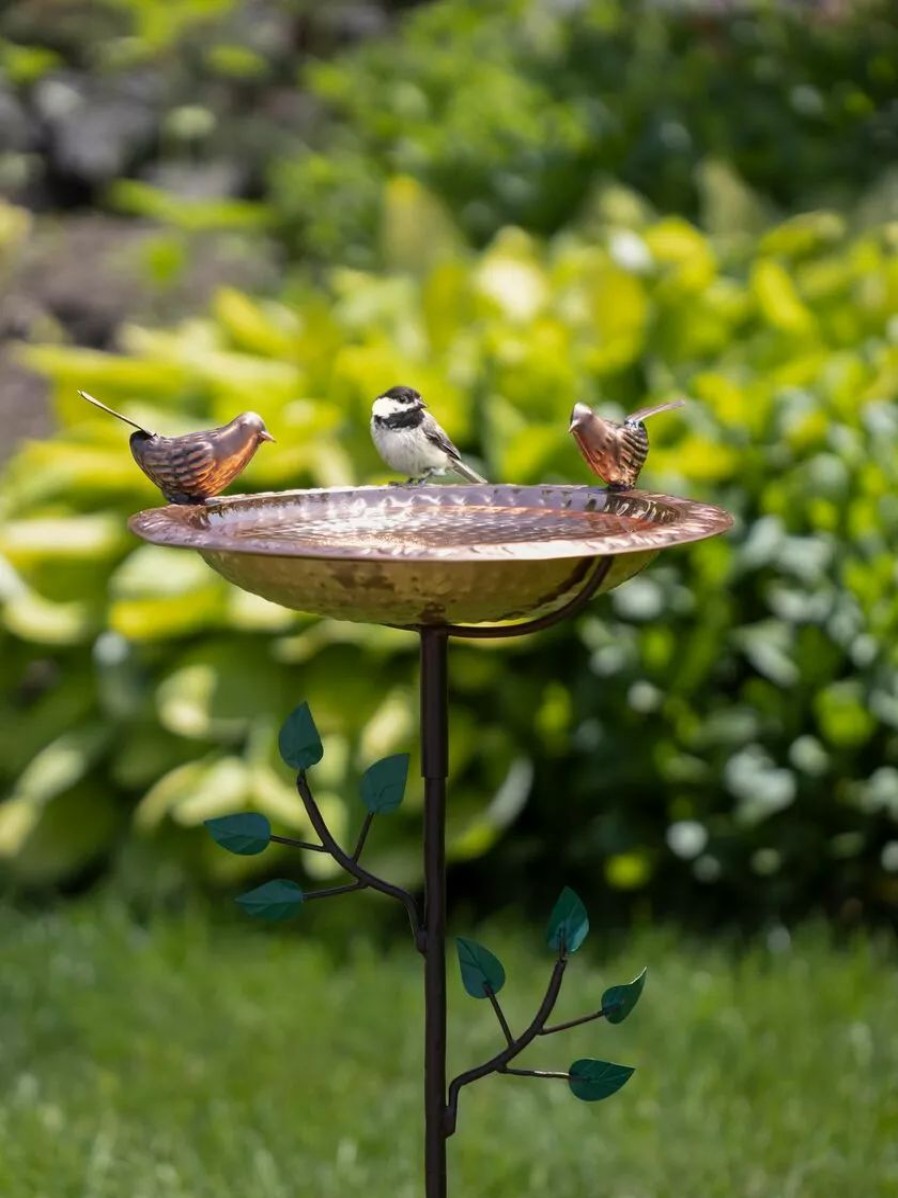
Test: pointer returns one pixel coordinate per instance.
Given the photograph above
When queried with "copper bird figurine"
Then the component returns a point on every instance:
(196, 466)
(615, 452)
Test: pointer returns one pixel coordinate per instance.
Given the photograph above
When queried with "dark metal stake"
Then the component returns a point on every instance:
(435, 769)
(439, 1119)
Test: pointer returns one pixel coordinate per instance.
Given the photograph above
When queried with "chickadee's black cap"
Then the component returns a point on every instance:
(406, 394)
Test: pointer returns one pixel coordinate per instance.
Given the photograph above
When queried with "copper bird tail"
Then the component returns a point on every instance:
(644, 413)
(112, 412)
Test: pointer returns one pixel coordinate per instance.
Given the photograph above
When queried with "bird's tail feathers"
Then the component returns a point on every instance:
(112, 412)
(644, 413)
(466, 472)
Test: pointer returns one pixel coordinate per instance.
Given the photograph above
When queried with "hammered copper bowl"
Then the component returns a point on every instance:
(429, 554)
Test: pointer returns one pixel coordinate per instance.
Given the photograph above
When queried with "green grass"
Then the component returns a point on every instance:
(190, 1059)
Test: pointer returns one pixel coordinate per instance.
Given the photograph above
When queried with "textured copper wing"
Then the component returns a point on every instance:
(181, 467)
(616, 452)
(196, 466)
(633, 449)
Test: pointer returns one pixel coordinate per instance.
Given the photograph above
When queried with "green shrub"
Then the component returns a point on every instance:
(515, 117)
(193, 98)
(723, 729)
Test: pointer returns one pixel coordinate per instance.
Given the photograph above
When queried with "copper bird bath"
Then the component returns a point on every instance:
(442, 561)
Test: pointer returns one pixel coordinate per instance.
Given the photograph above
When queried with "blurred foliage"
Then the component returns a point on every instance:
(722, 731)
(193, 111)
(516, 119)
(193, 97)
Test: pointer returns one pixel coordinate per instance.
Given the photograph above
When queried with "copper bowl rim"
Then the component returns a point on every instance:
(182, 526)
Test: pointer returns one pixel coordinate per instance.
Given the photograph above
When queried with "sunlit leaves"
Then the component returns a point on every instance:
(778, 299)
(789, 424)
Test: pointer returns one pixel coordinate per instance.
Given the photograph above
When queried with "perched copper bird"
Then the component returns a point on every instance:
(196, 466)
(615, 452)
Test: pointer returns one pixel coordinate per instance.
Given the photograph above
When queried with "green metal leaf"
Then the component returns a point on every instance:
(568, 923)
(299, 743)
(243, 834)
(619, 1001)
(275, 901)
(592, 1081)
(480, 970)
(383, 784)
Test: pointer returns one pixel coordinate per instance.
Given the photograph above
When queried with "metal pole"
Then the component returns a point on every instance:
(434, 768)
(434, 686)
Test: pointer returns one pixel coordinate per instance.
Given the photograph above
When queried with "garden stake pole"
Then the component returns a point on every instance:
(435, 769)
(439, 1120)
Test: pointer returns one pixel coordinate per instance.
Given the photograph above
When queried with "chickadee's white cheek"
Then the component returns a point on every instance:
(384, 407)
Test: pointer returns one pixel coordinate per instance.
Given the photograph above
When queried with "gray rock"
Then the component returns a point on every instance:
(96, 130)
(17, 133)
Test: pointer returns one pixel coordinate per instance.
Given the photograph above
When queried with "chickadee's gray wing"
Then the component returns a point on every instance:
(437, 437)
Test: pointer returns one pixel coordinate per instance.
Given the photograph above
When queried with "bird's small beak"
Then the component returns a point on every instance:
(265, 435)
(579, 416)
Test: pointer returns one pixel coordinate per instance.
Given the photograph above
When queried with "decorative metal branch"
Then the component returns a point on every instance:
(535, 1072)
(383, 788)
(350, 862)
(363, 836)
(330, 891)
(500, 1015)
(497, 1063)
(482, 973)
(296, 844)
(483, 976)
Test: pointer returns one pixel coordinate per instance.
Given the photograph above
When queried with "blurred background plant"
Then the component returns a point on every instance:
(513, 210)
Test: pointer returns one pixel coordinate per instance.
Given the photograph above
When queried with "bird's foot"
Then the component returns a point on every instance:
(187, 500)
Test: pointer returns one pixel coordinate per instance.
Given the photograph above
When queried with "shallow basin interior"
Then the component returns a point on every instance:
(436, 522)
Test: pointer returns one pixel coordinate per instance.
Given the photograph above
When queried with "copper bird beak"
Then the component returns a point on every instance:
(580, 415)
(265, 435)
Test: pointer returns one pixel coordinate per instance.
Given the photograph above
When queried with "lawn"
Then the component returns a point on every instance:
(189, 1058)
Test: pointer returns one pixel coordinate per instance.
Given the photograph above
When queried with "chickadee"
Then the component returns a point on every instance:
(615, 452)
(409, 439)
(195, 466)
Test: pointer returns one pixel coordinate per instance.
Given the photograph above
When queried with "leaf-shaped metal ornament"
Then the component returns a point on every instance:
(383, 784)
(244, 834)
(591, 1081)
(481, 972)
(274, 901)
(568, 923)
(619, 1001)
(298, 741)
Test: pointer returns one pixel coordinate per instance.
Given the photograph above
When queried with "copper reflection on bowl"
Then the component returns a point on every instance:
(429, 554)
